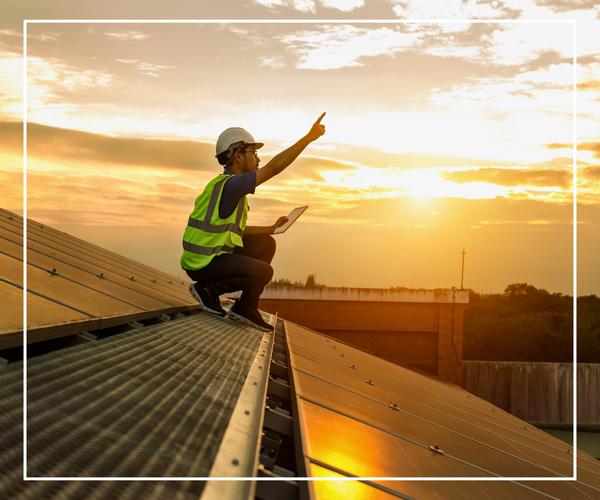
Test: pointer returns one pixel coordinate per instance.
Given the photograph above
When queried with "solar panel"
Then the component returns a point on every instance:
(74, 286)
(415, 490)
(362, 416)
(12, 306)
(445, 398)
(425, 406)
(456, 438)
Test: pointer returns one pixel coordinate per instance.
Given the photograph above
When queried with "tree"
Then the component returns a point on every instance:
(530, 324)
(311, 281)
(523, 289)
(285, 282)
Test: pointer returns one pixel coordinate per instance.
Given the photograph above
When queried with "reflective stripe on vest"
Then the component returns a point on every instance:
(190, 247)
(205, 237)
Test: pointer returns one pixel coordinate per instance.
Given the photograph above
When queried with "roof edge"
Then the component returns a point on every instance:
(436, 296)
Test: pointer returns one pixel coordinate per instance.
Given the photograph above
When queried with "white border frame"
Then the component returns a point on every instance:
(572, 22)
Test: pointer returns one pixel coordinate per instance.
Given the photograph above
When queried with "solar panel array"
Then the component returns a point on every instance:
(75, 286)
(357, 415)
(361, 416)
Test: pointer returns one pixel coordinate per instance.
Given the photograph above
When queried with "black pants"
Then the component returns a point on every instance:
(247, 268)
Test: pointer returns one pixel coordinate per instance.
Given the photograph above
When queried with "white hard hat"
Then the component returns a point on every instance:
(236, 137)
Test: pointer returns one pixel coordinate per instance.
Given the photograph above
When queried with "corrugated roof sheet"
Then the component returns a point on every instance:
(153, 402)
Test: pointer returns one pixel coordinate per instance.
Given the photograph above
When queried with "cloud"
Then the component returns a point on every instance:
(11, 32)
(554, 163)
(252, 37)
(11, 89)
(556, 75)
(47, 36)
(301, 5)
(92, 198)
(558, 145)
(588, 186)
(50, 85)
(310, 167)
(144, 68)
(273, 62)
(52, 142)
(449, 9)
(343, 5)
(504, 94)
(593, 85)
(340, 46)
(128, 35)
(48, 75)
(590, 146)
(589, 173)
(150, 69)
(503, 44)
(567, 5)
(513, 177)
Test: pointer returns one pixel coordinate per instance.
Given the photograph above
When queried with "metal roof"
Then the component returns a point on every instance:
(156, 401)
(186, 398)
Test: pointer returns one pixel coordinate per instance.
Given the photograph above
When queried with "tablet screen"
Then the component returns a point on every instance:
(294, 214)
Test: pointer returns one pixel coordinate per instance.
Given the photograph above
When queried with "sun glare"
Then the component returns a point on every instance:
(426, 183)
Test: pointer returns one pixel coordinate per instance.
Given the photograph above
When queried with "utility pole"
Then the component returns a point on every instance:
(462, 275)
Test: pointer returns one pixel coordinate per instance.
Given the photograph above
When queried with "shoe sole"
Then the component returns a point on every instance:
(194, 294)
(247, 322)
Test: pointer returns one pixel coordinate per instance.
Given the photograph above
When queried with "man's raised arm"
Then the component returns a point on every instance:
(284, 159)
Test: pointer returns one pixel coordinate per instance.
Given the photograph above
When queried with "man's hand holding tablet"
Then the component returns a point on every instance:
(294, 214)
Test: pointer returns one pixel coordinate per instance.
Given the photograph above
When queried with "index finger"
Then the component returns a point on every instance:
(320, 118)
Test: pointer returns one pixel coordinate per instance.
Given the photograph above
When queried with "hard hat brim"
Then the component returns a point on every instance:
(257, 145)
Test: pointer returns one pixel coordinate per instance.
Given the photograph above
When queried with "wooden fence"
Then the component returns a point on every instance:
(537, 392)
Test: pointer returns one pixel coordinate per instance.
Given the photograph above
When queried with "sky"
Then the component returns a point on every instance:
(449, 126)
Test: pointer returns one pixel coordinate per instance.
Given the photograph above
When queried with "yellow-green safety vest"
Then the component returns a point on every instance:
(207, 235)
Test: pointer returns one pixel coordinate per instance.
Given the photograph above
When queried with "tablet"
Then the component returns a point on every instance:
(294, 214)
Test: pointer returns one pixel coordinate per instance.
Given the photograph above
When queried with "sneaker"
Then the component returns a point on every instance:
(208, 301)
(249, 316)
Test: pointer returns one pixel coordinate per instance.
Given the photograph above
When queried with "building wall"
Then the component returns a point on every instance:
(450, 332)
(427, 336)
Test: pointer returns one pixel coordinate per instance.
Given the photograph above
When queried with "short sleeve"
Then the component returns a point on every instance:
(235, 188)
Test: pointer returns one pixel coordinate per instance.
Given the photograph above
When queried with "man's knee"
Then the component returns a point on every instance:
(270, 245)
(269, 273)
(263, 273)
(265, 247)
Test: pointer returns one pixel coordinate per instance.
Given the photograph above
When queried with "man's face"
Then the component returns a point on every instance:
(251, 159)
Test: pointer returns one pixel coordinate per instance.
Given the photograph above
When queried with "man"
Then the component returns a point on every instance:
(220, 253)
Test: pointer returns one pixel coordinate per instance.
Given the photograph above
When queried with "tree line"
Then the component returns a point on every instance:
(526, 323)
(311, 282)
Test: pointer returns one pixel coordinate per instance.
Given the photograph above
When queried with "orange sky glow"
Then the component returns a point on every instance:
(440, 136)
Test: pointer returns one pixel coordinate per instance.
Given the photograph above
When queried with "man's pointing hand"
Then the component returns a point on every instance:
(317, 129)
